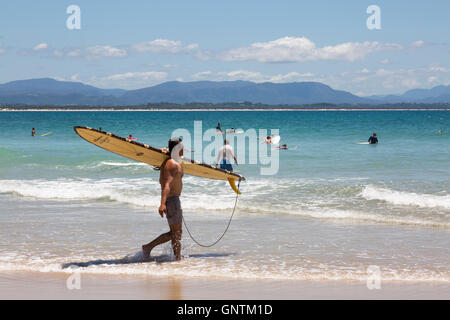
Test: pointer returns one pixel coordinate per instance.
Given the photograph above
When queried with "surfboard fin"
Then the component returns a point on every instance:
(233, 185)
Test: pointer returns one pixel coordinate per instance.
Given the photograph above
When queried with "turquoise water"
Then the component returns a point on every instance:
(333, 208)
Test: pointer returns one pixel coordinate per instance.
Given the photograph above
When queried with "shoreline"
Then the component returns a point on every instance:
(222, 109)
(36, 285)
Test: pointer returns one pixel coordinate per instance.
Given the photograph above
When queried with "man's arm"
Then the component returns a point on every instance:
(234, 157)
(219, 155)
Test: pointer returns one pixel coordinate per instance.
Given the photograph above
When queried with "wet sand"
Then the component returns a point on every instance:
(35, 285)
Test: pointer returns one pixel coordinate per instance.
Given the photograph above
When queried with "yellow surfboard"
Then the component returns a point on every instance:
(153, 156)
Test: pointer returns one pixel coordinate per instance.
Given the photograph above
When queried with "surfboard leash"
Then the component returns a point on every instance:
(226, 229)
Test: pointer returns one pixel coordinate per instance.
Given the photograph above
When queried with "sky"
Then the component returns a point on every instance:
(141, 43)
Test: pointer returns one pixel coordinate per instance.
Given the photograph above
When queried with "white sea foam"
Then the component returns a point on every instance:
(124, 164)
(371, 192)
(209, 196)
(137, 192)
(362, 216)
(82, 189)
(113, 164)
(201, 267)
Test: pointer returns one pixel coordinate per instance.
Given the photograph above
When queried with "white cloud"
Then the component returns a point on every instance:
(410, 83)
(418, 44)
(105, 51)
(74, 53)
(290, 77)
(292, 49)
(129, 80)
(163, 46)
(388, 81)
(385, 61)
(91, 53)
(254, 76)
(150, 75)
(40, 46)
(202, 75)
(241, 75)
(58, 53)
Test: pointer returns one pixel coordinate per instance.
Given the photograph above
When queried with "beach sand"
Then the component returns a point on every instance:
(29, 285)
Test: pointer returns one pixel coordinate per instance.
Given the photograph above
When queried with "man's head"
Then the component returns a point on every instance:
(175, 142)
(225, 141)
(374, 134)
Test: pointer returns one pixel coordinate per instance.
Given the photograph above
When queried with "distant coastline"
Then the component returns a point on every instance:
(212, 110)
(235, 107)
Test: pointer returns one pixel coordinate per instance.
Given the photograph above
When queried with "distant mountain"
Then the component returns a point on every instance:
(47, 86)
(64, 93)
(239, 91)
(439, 94)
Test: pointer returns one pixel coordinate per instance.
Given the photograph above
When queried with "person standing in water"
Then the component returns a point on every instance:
(226, 154)
(170, 178)
(219, 129)
(33, 132)
(373, 139)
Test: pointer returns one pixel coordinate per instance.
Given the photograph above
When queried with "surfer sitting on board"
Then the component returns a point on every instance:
(373, 139)
(219, 129)
(170, 178)
(267, 140)
(226, 153)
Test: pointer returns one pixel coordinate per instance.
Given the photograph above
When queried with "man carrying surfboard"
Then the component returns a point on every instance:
(170, 178)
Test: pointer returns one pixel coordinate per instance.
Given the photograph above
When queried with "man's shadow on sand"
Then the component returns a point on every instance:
(139, 258)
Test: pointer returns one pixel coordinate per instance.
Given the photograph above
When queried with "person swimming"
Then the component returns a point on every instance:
(282, 147)
(373, 139)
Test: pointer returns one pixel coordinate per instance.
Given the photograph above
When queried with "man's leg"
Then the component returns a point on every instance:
(175, 234)
(147, 248)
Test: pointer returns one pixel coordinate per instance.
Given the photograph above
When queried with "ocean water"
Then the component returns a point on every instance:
(333, 208)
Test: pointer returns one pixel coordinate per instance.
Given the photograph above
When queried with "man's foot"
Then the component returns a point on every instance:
(146, 252)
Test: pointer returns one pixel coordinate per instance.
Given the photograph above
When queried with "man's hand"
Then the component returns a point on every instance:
(162, 209)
